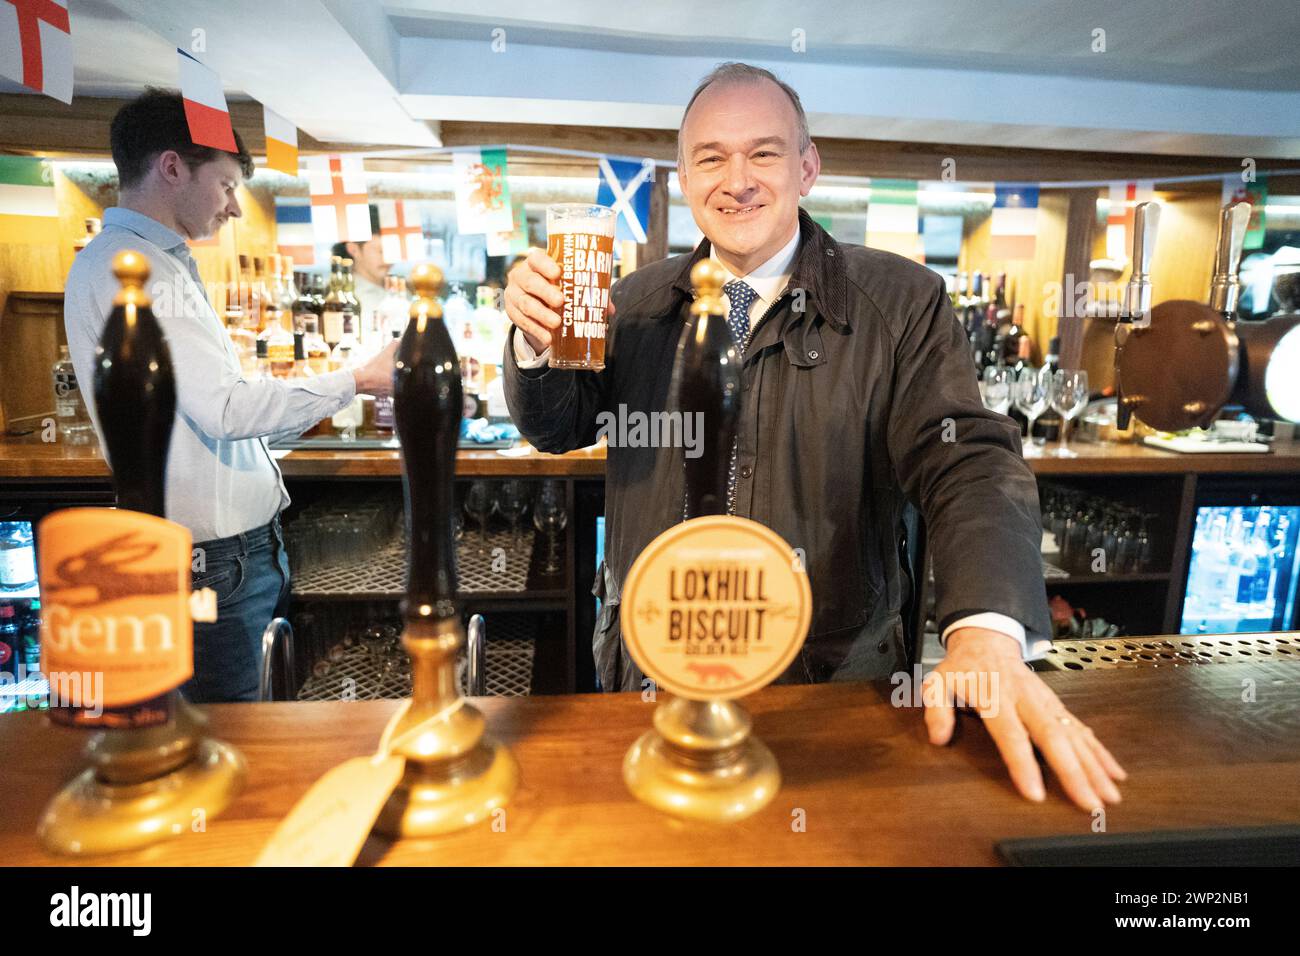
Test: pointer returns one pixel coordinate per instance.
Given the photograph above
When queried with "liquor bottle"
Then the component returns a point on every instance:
(318, 353)
(336, 305)
(1023, 361)
(279, 350)
(262, 364)
(17, 556)
(286, 293)
(242, 338)
(303, 307)
(349, 291)
(347, 420)
(248, 301)
(265, 303)
(11, 655)
(973, 314)
(960, 289)
(987, 348)
(1000, 298)
(300, 369)
(69, 407)
(1014, 333)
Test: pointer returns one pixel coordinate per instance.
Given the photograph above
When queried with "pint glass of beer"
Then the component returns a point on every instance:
(580, 238)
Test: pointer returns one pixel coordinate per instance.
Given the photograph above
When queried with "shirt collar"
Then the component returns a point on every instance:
(769, 279)
(146, 227)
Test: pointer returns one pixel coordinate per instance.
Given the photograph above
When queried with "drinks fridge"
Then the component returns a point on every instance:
(1244, 564)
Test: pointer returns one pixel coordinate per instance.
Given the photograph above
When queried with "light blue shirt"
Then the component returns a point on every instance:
(221, 478)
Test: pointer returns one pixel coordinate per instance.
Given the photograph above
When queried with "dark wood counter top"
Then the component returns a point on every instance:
(872, 788)
(26, 460)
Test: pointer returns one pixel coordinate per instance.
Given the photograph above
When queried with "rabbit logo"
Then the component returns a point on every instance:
(102, 573)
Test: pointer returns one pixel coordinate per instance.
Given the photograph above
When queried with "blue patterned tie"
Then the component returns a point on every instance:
(741, 297)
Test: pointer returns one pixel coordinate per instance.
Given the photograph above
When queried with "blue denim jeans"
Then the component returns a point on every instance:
(250, 573)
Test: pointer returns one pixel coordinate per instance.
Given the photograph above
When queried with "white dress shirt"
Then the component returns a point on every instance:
(769, 282)
(221, 479)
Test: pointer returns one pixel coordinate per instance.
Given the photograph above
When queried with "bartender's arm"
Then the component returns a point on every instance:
(962, 464)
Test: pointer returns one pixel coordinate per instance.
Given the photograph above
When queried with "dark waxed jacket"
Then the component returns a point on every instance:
(862, 399)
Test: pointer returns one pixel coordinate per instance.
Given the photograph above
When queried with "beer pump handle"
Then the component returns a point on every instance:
(1224, 288)
(135, 391)
(1136, 311)
(427, 412)
(1137, 301)
(706, 390)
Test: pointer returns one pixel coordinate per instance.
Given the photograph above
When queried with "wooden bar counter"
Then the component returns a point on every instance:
(874, 791)
(24, 459)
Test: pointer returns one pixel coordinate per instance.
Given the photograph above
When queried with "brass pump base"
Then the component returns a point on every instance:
(436, 798)
(92, 816)
(701, 763)
(455, 775)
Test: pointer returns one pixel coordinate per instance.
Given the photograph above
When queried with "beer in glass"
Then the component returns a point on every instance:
(580, 238)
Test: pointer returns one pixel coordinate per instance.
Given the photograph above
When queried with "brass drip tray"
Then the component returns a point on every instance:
(1186, 650)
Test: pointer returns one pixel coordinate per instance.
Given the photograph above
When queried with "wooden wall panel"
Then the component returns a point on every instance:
(1030, 280)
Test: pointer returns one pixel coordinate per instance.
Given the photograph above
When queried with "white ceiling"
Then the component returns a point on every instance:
(1217, 77)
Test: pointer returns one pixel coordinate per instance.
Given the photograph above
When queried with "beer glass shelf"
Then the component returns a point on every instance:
(1187, 651)
(499, 569)
(363, 673)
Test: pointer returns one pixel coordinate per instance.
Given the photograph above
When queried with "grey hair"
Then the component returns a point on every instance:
(733, 72)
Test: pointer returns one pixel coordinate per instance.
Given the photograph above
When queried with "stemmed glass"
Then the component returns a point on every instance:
(550, 517)
(996, 390)
(479, 504)
(1032, 393)
(512, 501)
(1069, 396)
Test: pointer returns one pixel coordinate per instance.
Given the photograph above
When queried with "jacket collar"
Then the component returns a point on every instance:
(818, 268)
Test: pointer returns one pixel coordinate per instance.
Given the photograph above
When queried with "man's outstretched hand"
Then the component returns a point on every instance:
(1021, 713)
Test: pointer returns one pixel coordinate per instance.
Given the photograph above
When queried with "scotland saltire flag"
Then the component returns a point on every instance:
(625, 188)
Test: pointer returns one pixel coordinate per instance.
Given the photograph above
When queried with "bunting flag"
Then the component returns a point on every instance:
(625, 187)
(340, 209)
(482, 191)
(281, 142)
(402, 240)
(516, 240)
(36, 46)
(893, 222)
(205, 105)
(1124, 198)
(1255, 193)
(1014, 229)
(28, 213)
(293, 230)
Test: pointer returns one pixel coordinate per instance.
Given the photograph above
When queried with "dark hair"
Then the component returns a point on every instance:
(154, 122)
(340, 249)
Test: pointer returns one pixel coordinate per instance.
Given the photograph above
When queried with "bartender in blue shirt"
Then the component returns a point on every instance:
(222, 482)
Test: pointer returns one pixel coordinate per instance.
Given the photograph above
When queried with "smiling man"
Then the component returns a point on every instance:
(859, 397)
(222, 482)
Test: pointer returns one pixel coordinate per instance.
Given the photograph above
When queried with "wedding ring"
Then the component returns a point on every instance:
(1065, 721)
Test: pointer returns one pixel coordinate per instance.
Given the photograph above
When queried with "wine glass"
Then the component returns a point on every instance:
(1069, 396)
(550, 517)
(1032, 394)
(478, 504)
(512, 500)
(996, 393)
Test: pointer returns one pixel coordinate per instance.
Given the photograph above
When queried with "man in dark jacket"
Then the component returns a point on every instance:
(859, 396)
